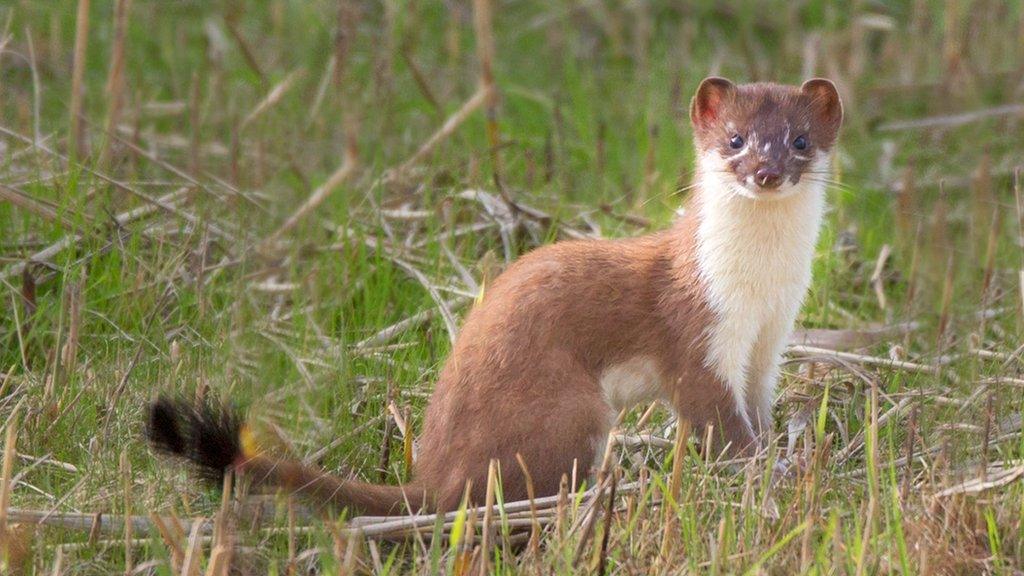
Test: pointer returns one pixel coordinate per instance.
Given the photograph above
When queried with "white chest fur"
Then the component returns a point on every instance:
(755, 259)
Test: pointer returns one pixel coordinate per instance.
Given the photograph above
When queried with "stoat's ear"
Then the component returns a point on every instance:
(828, 108)
(712, 95)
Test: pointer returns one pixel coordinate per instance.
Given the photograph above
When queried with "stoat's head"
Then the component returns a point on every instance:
(765, 141)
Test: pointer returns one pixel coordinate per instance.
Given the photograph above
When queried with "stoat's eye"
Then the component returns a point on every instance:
(800, 143)
(736, 142)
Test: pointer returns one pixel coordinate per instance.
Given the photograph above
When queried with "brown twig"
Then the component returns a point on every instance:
(450, 125)
(122, 219)
(115, 76)
(484, 30)
(158, 202)
(343, 173)
(809, 352)
(243, 46)
(953, 120)
(75, 135)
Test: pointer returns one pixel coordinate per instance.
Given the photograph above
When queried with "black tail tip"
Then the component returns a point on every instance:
(164, 426)
(205, 433)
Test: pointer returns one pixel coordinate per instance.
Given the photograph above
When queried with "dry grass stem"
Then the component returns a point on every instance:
(76, 137)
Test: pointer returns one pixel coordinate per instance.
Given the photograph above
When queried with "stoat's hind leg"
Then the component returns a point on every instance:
(555, 418)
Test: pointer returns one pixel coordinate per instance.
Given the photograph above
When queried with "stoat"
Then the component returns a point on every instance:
(695, 316)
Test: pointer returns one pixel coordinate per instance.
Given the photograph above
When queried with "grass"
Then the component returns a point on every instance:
(233, 113)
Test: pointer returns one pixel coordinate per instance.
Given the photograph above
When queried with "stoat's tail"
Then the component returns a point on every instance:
(216, 439)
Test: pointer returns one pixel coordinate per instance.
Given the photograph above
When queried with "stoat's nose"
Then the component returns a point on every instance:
(767, 177)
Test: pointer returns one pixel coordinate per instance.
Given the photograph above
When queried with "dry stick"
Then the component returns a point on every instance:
(468, 546)
(272, 97)
(7, 469)
(292, 563)
(407, 445)
(857, 442)
(675, 487)
(602, 562)
(873, 497)
(26, 202)
(953, 120)
(375, 527)
(36, 87)
(988, 482)
(243, 46)
(122, 219)
(152, 157)
(170, 539)
(193, 552)
(221, 545)
(421, 80)
(912, 274)
(126, 485)
(47, 460)
(195, 136)
(95, 523)
(158, 202)
(69, 355)
(485, 538)
(909, 456)
(876, 276)
(535, 529)
(840, 339)
(947, 303)
(449, 319)
(321, 90)
(122, 384)
(76, 144)
(353, 548)
(220, 562)
(809, 352)
(483, 27)
(339, 176)
(982, 201)
(389, 333)
(632, 219)
(987, 433)
(462, 552)
(991, 246)
(115, 77)
(1017, 194)
(446, 130)
(994, 355)
(591, 510)
(347, 23)
(385, 452)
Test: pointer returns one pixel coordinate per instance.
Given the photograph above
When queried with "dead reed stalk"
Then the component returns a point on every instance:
(483, 27)
(487, 528)
(478, 99)
(1018, 195)
(336, 179)
(76, 141)
(675, 488)
(115, 77)
(7, 469)
(126, 487)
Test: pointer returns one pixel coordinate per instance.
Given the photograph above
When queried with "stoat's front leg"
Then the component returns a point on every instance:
(763, 375)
